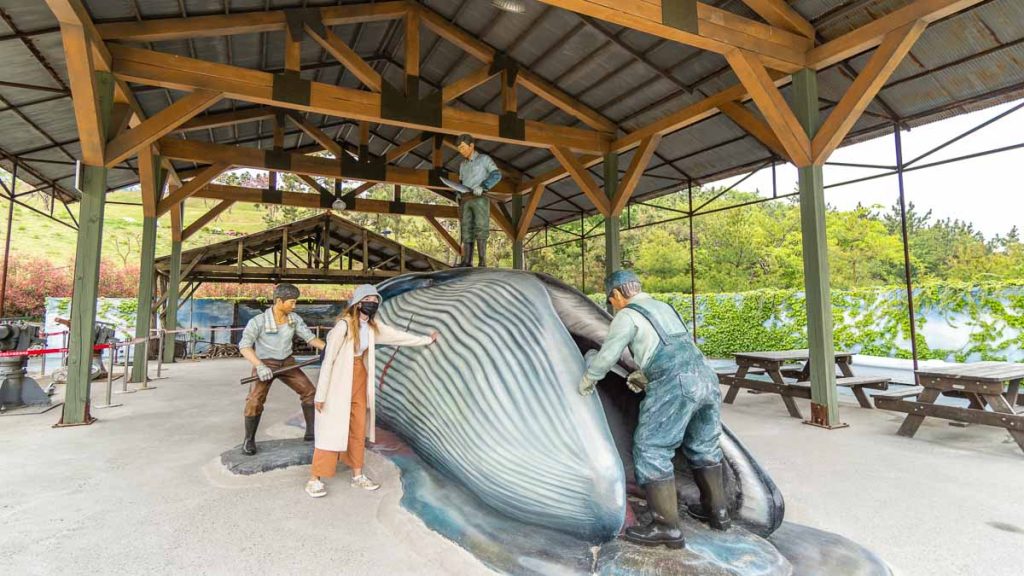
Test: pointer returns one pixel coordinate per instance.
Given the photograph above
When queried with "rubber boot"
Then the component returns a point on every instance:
(249, 444)
(661, 499)
(481, 248)
(713, 508)
(307, 412)
(467, 255)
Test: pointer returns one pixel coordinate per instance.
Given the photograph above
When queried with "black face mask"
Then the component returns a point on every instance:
(369, 308)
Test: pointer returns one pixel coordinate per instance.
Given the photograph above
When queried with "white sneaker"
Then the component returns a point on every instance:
(316, 489)
(365, 483)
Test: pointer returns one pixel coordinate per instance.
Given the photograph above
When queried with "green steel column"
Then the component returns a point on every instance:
(171, 311)
(93, 185)
(824, 405)
(144, 311)
(518, 254)
(612, 245)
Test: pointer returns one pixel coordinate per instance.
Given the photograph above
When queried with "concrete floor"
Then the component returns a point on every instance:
(142, 492)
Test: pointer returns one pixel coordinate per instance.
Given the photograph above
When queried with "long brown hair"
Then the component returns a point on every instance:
(351, 318)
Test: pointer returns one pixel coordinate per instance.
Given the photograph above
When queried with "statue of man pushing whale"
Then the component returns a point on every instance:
(680, 408)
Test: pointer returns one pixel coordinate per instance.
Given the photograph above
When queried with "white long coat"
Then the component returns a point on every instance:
(334, 386)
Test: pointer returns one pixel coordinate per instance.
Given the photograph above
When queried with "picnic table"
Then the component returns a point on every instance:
(991, 388)
(790, 379)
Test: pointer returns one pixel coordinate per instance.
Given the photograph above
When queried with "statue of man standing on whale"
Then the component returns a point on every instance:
(680, 409)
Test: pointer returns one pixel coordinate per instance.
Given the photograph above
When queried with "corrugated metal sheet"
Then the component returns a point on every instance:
(966, 62)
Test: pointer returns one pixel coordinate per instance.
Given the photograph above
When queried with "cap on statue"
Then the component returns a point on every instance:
(618, 278)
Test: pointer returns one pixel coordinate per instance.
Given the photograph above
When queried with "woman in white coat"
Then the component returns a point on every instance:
(344, 399)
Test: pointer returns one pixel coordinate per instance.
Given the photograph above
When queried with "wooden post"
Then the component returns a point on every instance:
(151, 185)
(171, 310)
(93, 185)
(824, 401)
(612, 244)
(518, 252)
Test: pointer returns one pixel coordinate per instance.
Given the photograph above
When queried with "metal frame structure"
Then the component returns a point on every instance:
(117, 71)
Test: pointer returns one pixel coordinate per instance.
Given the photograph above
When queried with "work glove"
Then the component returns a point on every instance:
(264, 373)
(587, 386)
(478, 191)
(636, 381)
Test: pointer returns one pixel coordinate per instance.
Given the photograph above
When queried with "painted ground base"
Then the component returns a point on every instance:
(512, 547)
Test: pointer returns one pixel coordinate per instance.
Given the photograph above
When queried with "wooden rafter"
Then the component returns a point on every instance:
(318, 135)
(412, 41)
(196, 151)
(716, 30)
(348, 57)
(161, 29)
(206, 218)
(398, 152)
(82, 75)
(486, 54)
(501, 220)
(780, 14)
(159, 125)
(583, 179)
(203, 177)
(754, 126)
(181, 73)
(222, 119)
(876, 72)
(641, 158)
(773, 106)
(873, 33)
(305, 200)
(148, 177)
(528, 211)
(177, 215)
(445, 235)
(468, 82)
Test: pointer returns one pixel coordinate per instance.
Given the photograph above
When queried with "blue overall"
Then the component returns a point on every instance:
(681, 406)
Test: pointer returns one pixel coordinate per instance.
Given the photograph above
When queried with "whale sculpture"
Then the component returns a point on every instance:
(494, 404)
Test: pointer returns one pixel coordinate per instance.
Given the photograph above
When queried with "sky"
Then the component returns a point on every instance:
(987, 191)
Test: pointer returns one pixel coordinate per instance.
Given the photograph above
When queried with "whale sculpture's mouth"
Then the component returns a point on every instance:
(494, 403)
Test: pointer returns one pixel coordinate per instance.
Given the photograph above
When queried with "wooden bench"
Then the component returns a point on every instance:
(857, 384)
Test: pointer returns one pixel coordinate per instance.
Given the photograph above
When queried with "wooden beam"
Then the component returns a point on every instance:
(528, 211)
(583, 179)
(641, 158)
(869, 81)
(773, 106)
(412, 41)
(78, 56)
(873, 33)
(162, 29)
(222, 119)
(304, 200)
(398, 152)
(148, 182)
(716, 31)
(502, 221)
(196, 151)
(159, 125)
(509, 102)
(441, 231)
(754, 126)
(189, 188)
(176, 217)
(206, 218)
(348, 57)
(531, 81)
(292, 50)
(318, 135)
(181, 73)
(780, 14)
(564, 102)
(468, 82)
